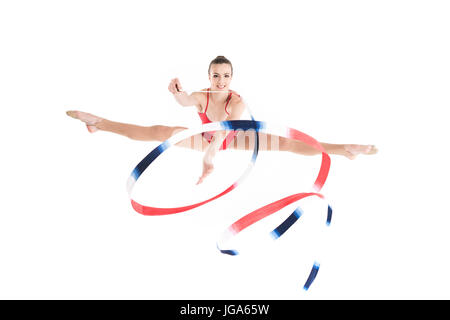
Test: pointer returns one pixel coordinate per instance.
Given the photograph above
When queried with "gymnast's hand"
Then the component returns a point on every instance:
(175, 86)
(208, 167)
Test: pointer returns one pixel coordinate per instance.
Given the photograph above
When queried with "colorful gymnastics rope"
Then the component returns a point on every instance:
(258, 214)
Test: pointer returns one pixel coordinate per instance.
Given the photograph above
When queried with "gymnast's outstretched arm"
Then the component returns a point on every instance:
(182, 97)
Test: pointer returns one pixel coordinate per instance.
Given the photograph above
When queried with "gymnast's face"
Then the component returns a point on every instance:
(220, 76)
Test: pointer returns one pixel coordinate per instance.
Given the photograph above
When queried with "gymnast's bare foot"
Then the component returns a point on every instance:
(89, 119)
(353, 150)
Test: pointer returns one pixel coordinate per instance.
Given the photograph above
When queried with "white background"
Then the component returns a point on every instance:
(342, 71)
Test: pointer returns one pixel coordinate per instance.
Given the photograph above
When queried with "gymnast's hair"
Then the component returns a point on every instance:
(220, 60)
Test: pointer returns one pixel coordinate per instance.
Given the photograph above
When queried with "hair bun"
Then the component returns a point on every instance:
(220, 60)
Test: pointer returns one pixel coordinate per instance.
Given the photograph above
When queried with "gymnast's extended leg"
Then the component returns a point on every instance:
(135, 132)
(268, 142)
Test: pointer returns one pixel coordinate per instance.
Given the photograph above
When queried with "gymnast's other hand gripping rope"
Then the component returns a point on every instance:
(258, 214)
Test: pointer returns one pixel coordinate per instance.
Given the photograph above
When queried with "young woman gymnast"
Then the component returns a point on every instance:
(217, 103)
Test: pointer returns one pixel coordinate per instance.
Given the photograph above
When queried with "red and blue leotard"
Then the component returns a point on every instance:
(209, 134)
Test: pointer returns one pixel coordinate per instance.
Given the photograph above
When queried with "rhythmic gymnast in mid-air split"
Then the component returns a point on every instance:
(217, 103)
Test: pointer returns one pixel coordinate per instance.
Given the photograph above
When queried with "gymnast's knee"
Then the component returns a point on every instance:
(161, 132)
(284, 144)
(165, 132)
